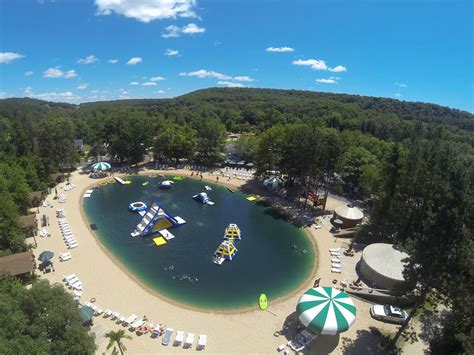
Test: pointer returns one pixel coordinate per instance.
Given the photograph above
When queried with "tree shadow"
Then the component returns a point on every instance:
(370, 341)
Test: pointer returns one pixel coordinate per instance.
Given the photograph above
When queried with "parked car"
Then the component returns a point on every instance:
(388, 313)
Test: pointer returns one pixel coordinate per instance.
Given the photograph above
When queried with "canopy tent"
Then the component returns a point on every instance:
(87, 313)
(325, 310)
(349, 215)
(102, 166)
(273, 182)
(45, 256)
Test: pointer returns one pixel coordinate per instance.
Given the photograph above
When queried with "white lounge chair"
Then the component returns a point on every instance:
(115, 315)
(335, 249)
(107, 313)
(167, 337)
(72, 280)
(179, 338)
(69, 277)
(136, 324)
(202, 341)
(64, 256)
(73, 245)
(189, 340)
(128, 321)
(336, 270)
(335, 260)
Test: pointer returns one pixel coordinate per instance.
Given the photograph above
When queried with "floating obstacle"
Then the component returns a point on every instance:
(155, 220)
(263, 302)
(232, 232)
(178, 178)
(251, 198)
(203, 198)
(159, 241)
(166, 234)
(137, 206)
(208, 188)
(166, 184)
(119, 180)
(225, 251)
(145, 183)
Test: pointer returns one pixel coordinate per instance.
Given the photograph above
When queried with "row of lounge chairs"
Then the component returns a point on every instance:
(69, 186)
(66, 231)
(140, 326)
(73, 282)
(336, 266)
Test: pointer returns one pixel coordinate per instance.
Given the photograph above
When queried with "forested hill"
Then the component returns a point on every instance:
(302, 102)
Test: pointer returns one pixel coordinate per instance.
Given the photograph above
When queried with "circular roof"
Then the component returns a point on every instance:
(386, 260)
(349, 212)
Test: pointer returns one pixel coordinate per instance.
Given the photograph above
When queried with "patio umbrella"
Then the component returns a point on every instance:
(45, 256)
(102, 166)
(326, 310)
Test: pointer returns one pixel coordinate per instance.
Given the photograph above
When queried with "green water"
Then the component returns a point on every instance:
(273, 257)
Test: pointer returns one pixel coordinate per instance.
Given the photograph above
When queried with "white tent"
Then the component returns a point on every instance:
(349, 212)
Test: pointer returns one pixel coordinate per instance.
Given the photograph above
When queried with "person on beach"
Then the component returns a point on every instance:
(217, 178)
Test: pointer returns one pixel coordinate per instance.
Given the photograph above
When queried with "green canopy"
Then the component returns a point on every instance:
(87, 313)
(102, 166)
(326, 310)
(45, 256)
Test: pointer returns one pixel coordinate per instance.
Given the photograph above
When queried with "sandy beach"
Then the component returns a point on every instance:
(251, 331)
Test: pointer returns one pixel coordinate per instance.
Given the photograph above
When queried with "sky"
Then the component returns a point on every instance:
(89, 50)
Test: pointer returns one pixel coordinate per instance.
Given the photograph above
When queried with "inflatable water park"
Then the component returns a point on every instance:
(166, 184)
(137, 206)
(232, 232)
(156, 220)
(203, 198)
(227, 249)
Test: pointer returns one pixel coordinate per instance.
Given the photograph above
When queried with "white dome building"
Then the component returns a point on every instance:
(382, 264)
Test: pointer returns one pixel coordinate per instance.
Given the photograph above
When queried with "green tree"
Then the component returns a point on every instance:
(210, 142)
(41, 320)
(55, 141)
(116, 338)
(175, 142)
(246, 146)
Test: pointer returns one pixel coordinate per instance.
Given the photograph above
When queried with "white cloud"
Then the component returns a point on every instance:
(243, 78)
(4, 95)
(94, 91)
(58, 73)
(113, 61)
(279, 49)
(149, 83)
(159, 91)
(157, 78)
(203, 73)
(8, 57)
(66, 96)
(230, 84)
(171, 52)
(326, 81)
(192, 28)
(134, 83)
(338, 69)
(315, 64)
(175, 31)
(397, 95)
(401, 85)
(147, 10)
(134, 61)
(88, 60)
(28, 73)
(82, 86)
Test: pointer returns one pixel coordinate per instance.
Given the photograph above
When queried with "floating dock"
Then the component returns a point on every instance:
(119, 180)
(156, 219)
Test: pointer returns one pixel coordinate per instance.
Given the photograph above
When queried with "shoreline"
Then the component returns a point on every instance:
(134, 278)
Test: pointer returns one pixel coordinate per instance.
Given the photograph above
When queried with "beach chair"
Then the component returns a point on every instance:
(336, 265)
(189, 340)
(136, 324)
(64, 256)
(77, 293)
(202, 341)
(334, 249)
(130, 320)
(335, 260)
(167, 337)
(72, 280)
(179, 338)
(156, 331)
(121, 319)
(73, 245)
(77, 286)
(336, 270)
(114, 315)
(68, 277)
(107, 313)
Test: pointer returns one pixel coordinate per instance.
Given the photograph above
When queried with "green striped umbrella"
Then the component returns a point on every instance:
(326, 310)
(102, 166)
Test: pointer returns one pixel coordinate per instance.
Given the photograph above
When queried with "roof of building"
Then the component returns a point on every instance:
(385, 259)
(27, 221)
(17, 264)
(349, 212)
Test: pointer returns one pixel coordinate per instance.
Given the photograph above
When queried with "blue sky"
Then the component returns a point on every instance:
(78, 50)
